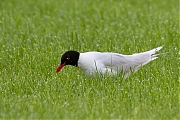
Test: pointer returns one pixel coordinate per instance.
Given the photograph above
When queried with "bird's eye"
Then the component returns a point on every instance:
(68, 58)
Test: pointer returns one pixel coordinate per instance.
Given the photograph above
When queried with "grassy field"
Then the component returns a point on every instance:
(35, 33)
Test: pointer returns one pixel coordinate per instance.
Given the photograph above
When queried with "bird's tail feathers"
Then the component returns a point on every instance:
(153, 55)
(153, 51)
(139, 56)
(156, 55)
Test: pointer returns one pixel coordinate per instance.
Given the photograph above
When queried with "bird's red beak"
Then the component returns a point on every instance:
(60, 67)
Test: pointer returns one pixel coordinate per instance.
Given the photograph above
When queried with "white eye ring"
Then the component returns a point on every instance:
(68, 58)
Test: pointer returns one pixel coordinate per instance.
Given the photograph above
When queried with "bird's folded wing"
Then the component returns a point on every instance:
(114, 60)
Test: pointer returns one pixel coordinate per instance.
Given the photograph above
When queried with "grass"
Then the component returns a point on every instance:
(34, 35)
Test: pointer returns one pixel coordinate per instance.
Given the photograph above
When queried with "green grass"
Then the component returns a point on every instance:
(34, 35)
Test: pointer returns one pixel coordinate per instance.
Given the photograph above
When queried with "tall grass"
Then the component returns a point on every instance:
(34, 35)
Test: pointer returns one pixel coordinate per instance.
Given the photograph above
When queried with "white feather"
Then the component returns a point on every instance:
(97, 62)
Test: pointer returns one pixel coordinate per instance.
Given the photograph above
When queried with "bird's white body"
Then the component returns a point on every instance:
(103, 62)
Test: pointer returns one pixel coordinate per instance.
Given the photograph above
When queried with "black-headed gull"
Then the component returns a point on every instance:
(107, 62)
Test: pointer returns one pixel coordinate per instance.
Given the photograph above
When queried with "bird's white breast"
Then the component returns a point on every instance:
(87, 62)
(92, 62)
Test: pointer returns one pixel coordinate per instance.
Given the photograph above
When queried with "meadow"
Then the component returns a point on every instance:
(35, 33)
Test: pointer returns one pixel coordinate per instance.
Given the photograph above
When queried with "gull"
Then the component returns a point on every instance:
(93, 63)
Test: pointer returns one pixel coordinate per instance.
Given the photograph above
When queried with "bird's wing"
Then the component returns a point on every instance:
(116, 61)
(126, 63)
(129, 61)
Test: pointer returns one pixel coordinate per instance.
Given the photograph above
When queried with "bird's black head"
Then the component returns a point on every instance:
(69, 58)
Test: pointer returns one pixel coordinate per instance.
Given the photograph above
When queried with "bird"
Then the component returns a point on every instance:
(100, 63)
